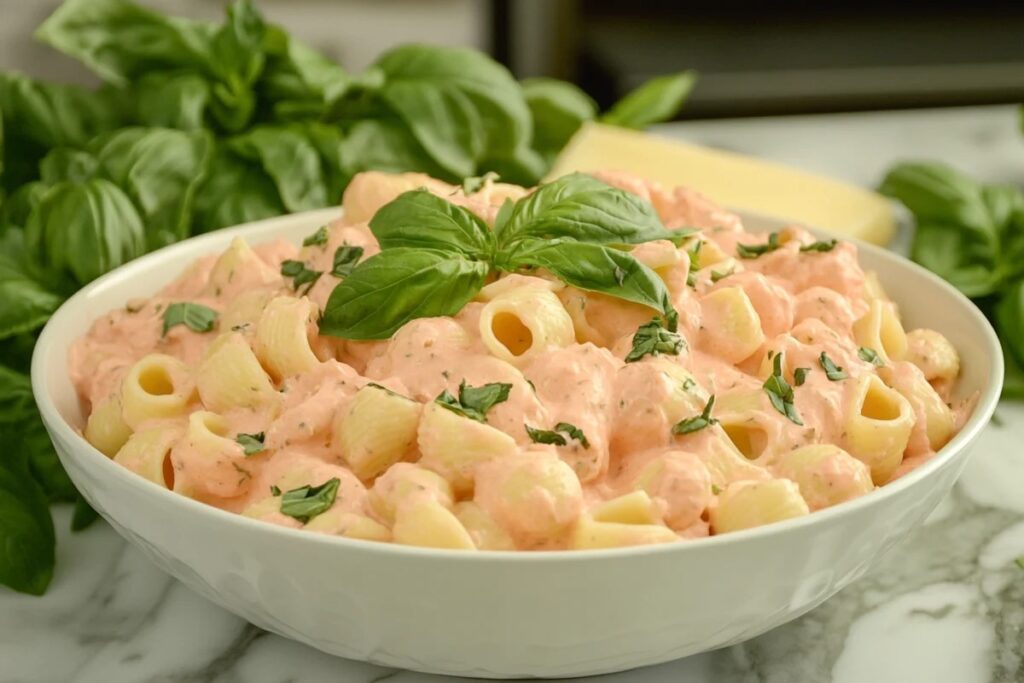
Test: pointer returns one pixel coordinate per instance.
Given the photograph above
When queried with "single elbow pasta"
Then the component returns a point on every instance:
(158, 386)
(106, 429)
(378, 430)
(282, 337)
(749, 504)
(878, 425)
(524, 322)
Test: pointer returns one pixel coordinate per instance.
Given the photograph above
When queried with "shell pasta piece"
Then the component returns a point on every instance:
(933, 354)
(157, 386)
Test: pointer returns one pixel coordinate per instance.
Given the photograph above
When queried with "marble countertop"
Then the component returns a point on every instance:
(945, 606)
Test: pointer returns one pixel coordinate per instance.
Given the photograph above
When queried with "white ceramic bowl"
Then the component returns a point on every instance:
(506, 614)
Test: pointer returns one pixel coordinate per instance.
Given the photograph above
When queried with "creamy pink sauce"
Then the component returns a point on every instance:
(806, 303)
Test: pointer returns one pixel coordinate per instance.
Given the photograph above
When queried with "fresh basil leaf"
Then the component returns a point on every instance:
(26, 529)
(457, 103)
(387, 145)
(121, 41)
(161, 170)
(54, 115)
(574, 432)
(395, 286)
(275, 491)
(172, 101)
(950, 252)
(329, 144)
(22, 427)
(584, 208)
(558, 109)
(474, 402)
(419, 219)
(869, 355)
(832, 371)
(716, 275)
(800, 376)
(290, 159)
(27, 303)
(196, 317)
(85, 229)
(780, 394)
(1009, 317)
(345, 260)
(65, 163)
(83, 516)
(234, 192)
(659, 99)
(316, 239)
(820, 246)
(938, 194)
(653, 339)
(18, 206)
(595, 268)
(306, 502)
(752, 251)
(297, 79)
(300, 274)
(251, 443)
(697, 423)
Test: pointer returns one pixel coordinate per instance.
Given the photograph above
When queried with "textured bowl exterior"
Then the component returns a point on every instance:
(501, 615)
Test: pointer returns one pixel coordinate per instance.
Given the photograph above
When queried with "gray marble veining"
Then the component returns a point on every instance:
(946, 606)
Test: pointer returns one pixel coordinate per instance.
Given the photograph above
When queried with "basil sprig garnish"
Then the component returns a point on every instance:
(195, 317)
(557, 435)
(780, 393)
(832, 371)
(654, 339)
(698, 422)
(435, 256)
(306, 502)
(474, 402)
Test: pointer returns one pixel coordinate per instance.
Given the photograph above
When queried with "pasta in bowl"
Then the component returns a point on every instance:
(715, 381)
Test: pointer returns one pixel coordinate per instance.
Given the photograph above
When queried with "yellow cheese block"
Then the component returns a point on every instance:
(733, 180)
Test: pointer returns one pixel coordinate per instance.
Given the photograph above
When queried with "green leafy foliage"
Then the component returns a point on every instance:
(436, 256)
(657, 100)
(972, 235)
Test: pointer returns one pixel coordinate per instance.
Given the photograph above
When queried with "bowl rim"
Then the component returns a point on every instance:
(984, 408)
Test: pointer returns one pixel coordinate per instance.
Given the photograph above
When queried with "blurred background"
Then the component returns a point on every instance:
(754, 58)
